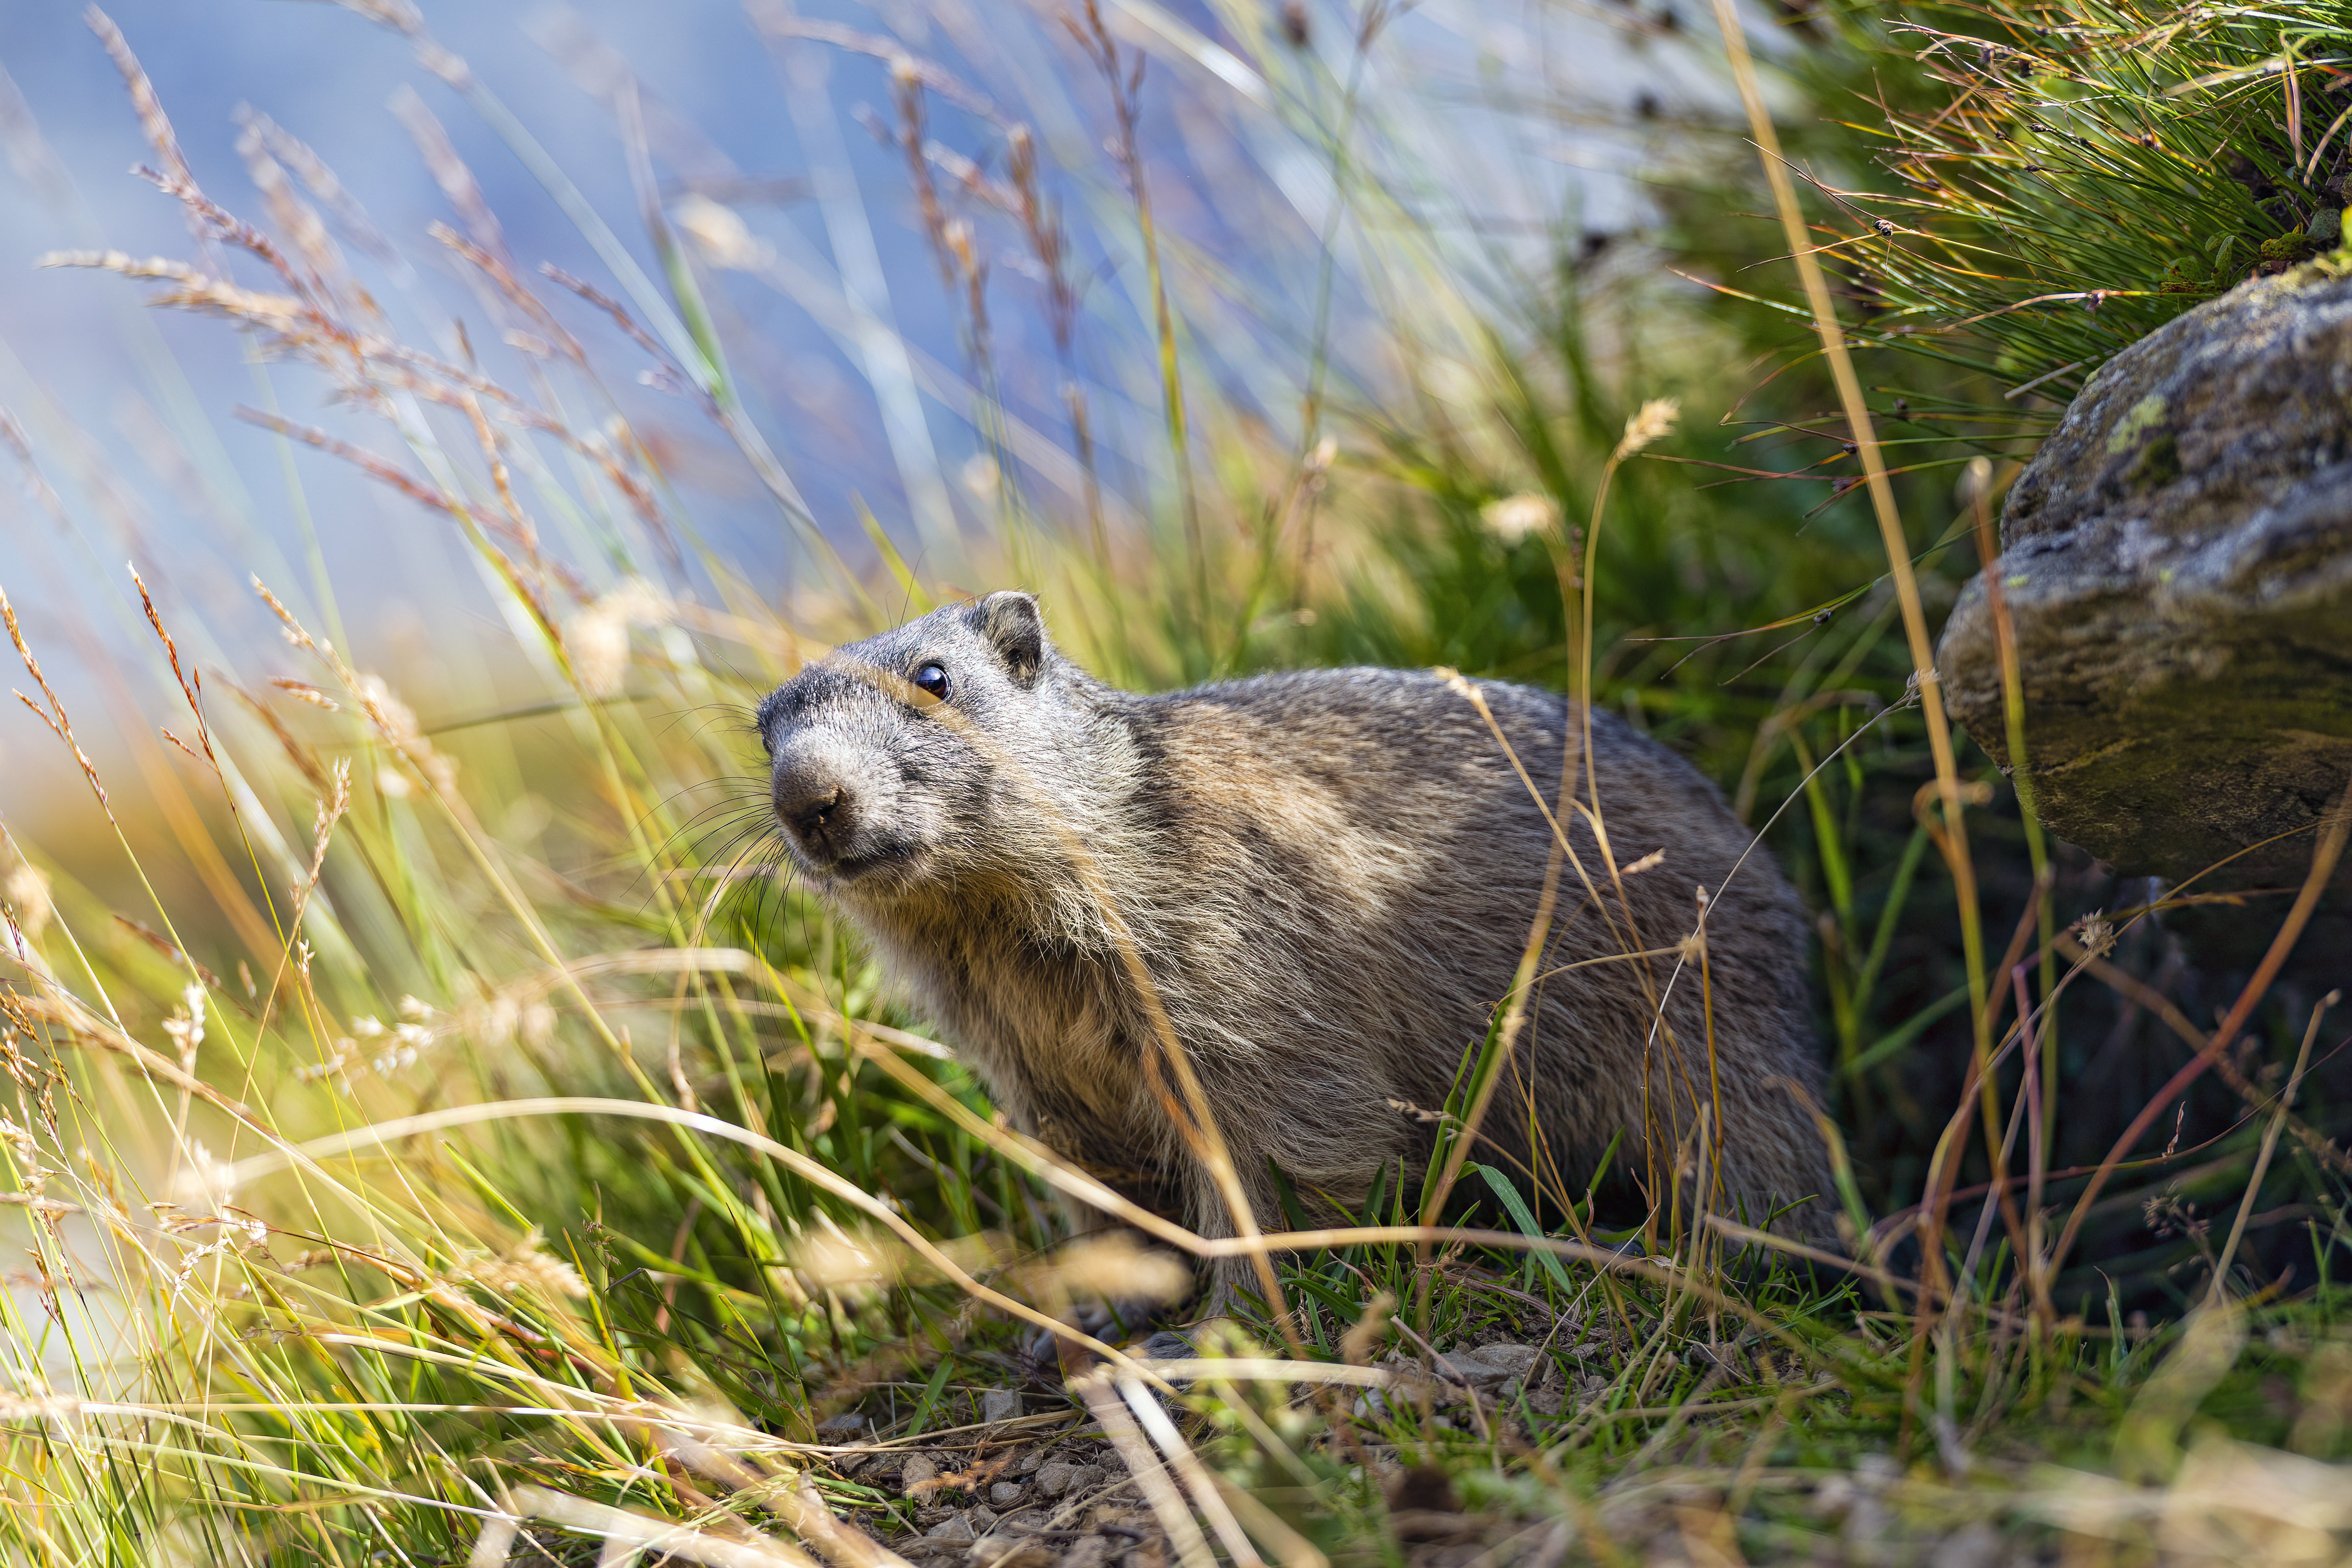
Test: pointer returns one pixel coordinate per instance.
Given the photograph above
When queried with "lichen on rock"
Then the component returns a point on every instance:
(2177, 561)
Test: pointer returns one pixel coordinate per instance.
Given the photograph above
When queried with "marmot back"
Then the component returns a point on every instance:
(1330, 877)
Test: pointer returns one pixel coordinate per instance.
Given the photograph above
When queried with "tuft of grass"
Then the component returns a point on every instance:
(2020, 192)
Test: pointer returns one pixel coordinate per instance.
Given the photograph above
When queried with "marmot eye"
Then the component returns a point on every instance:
(932, 680)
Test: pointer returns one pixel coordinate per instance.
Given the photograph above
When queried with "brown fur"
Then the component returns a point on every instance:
(1330, 877)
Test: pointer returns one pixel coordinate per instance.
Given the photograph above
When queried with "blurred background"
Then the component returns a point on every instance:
(1504, 136)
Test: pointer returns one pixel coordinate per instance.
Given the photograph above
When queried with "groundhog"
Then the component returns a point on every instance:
(1329, 877)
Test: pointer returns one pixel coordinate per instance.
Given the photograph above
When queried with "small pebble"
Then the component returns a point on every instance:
(1087, 1477)
(1515, 1359)
(919, 1469)
(1005, 1494)
(1053, 1477)
(953, 1531)
(999, 1404)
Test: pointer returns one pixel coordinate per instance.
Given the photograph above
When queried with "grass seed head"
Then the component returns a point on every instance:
(599, 639)
(719, 232)
(527, 1270)
(852, 1266)
(1651, 422)
(28, 897)
(205, 1184)
(1518, 517)
(2096, 934)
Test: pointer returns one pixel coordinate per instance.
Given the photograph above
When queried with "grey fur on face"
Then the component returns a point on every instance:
(1328, 877)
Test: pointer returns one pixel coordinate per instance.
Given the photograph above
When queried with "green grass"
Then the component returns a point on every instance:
(418, 1130)
(2011, 194)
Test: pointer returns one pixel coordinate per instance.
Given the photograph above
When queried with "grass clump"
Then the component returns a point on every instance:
(447, 1142)
(2045, 185)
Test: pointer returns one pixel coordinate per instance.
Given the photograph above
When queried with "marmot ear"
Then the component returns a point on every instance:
(1010, 620)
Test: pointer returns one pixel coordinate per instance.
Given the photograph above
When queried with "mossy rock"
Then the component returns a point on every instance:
(2177, 562)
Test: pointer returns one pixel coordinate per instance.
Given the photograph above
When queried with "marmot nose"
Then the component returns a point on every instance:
(810, 812)
(809, 800)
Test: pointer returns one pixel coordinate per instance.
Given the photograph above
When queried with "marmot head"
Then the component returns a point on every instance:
(914, 757)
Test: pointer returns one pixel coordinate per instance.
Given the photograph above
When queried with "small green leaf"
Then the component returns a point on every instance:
(1523, 1218)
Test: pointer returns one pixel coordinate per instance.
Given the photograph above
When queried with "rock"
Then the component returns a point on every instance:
(1010, 1552)
(954, 1530)
(1086, 1478)
(919, 1470)
(1053, 1477)
(1088, 1552)
(840, 1428)
(1005, 1494)
(2177, 561)
(1028, 1463)
(1515, 1361)
(999, 1404)
(1464, 1367)
(1486, 1366)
